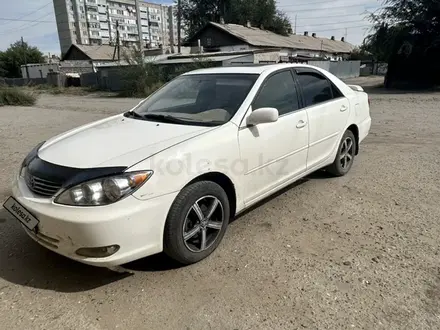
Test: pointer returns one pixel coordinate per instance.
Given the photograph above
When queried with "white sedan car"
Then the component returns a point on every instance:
(170, 173)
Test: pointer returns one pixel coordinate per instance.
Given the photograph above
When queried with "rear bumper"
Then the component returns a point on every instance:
(135, 225)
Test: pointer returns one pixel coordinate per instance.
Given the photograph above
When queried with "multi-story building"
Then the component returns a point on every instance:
(97, 22)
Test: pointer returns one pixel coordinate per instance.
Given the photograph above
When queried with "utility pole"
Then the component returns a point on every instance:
(117, 48)
(141, 35)
(296, 16)
(25, 58)
(109, 26)
(179, 18)
(149, 28)
(345, 35)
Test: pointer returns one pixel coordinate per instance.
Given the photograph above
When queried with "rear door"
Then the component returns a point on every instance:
(327, 110)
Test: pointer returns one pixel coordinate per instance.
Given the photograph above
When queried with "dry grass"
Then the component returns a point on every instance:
(16, 96)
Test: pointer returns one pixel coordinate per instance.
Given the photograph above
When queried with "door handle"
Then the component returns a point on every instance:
(343, 108)
(301, 124)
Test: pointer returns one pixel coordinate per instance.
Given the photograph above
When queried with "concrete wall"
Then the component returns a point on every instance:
(57, 79)
(341, 69)
(76, 67)
(39, 70)
(246, 59)
(269, 57)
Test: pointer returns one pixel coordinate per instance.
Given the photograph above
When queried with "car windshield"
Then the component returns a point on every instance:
(203, 99)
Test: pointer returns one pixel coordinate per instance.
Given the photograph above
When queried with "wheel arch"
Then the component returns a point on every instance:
(355, 130)
(223, 181)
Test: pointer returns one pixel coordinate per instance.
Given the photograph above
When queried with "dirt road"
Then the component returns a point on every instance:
(358, 252)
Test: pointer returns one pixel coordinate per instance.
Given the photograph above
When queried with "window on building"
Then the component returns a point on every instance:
(119, 12)
(279, 91)
(95, 33)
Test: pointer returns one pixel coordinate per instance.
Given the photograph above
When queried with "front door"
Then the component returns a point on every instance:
(273, 153)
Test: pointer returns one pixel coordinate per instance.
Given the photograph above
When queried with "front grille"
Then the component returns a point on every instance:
(41, 186)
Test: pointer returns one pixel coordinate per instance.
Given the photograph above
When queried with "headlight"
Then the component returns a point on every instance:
(103, 191)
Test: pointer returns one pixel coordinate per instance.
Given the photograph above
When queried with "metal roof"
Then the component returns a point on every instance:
(217, 58)
(263, 38)
(98, 52)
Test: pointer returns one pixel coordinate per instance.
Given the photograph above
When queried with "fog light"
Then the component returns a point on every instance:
(98, 252)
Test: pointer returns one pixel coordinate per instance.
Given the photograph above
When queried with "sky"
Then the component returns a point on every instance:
(35, 20)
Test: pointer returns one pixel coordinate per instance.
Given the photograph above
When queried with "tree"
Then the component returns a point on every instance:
(15, 56)
(398, 19)
(260, 13)
(407, 36)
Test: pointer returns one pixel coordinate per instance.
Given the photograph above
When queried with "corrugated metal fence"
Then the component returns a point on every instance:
(341, 69)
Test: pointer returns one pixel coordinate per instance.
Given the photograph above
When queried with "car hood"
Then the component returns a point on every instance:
(115, 141)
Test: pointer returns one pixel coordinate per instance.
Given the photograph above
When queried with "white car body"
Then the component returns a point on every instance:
(257, 162)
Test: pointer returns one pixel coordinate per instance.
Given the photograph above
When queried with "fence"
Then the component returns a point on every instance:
(22, 81)
(341, 69)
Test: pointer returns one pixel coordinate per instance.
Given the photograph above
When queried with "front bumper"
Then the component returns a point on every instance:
(136, 226)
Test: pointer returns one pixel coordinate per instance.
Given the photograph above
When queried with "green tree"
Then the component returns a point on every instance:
(260, 13)
(15, 56)
(400, 19)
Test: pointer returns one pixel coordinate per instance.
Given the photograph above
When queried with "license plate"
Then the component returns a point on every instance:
(19, 212)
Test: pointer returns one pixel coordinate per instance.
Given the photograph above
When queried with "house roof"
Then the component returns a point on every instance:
(263, 38)
(191, 59)
(95, 52)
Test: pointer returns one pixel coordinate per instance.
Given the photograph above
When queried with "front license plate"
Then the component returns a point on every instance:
(23, 215)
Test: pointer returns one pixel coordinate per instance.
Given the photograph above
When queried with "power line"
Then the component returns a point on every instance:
(332, 16)
(26, 26)
(342, 28)
(331, 23)
(22, 20)
(32, 12)
(326, 8)
(309, 3)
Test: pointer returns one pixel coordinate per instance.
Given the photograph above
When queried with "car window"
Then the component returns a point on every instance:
(279, 91)
(316, 88)
(336, 92)
(200, 98)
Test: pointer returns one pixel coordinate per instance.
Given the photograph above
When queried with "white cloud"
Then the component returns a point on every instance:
(330, 18)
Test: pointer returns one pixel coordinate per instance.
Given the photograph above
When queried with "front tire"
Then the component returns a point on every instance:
(196, 222)
(345, 156)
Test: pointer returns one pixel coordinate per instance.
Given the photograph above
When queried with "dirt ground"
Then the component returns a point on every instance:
(358, 252)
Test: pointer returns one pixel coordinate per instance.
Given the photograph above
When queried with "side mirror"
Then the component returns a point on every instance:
(262, 115)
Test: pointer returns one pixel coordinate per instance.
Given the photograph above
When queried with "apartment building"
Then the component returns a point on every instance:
(98, 22)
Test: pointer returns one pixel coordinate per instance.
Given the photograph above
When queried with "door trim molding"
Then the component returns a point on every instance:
(277, 160)
(323, 139)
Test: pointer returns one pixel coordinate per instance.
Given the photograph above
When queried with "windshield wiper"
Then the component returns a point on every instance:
(133, 114)
(169, 119)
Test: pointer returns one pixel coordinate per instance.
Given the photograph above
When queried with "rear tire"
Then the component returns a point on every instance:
(196, 222)
(345, 155)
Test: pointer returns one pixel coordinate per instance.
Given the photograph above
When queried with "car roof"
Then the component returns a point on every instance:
(253, 69)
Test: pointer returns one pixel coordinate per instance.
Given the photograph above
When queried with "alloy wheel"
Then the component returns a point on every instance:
(203, 223)
(347, 153)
